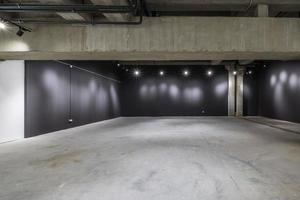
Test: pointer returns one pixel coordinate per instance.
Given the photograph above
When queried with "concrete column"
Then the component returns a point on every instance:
(239, 91)
(262, 10)
(231, 90)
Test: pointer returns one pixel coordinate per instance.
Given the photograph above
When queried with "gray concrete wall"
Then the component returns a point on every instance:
(165, 38)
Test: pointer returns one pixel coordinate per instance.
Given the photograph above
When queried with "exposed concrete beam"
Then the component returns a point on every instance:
(113, 16)
(165, 38)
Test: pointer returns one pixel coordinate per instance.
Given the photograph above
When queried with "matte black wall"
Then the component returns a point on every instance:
(251, 92)
(56, 93)
(174, 94)
(279, 94)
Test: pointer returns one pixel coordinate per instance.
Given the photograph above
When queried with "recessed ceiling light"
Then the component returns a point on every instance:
(234, 72)
(161, 73)
(249, 72)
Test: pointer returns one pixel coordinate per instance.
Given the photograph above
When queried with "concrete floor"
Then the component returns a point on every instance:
(207, 158)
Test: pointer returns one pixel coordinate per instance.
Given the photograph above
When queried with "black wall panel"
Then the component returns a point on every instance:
(174, 94)
(92, 98)
(47, 97)
(279, 94)
(251, 92)
(56, 93)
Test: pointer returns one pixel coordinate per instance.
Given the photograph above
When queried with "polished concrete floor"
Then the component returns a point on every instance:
(209, 158)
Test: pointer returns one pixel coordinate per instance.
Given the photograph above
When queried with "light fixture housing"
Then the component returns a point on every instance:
(20, 32)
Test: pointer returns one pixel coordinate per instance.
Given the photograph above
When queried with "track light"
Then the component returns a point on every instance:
(136, 72)
(2, 25)
(161, 73)
(186, 73)
(20, 32)
(209, 72)
(21, 29)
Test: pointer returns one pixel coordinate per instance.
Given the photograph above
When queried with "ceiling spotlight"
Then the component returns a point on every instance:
(20, 32)
(209, 72)
(249, 72)
(136, 72)
(234, 72)
(186, 72)
(161, 73)
(118, 64)
(2, 25)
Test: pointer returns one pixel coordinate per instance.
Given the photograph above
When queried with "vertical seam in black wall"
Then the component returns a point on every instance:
(70, 95)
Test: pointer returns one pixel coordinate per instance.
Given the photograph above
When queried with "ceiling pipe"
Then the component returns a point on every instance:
(82, 8)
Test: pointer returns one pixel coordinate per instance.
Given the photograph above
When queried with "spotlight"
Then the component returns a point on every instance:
(234, 72)
(161, 73)
(249, 72)
(209, 72)
(20, 32)
(2, 25)
(136, 72)
(186, 73)
(118, 64)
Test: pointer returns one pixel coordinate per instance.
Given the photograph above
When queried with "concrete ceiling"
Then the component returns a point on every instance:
(277, 8)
